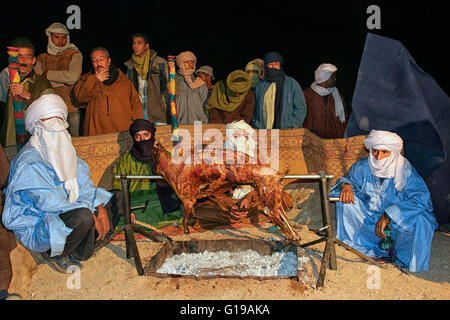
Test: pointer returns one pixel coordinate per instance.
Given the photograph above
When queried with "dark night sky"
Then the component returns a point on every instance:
(228, 34)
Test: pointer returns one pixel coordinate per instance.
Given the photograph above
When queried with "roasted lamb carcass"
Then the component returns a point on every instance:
(196, 179)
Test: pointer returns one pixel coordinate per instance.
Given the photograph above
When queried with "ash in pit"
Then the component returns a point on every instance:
(242, 263)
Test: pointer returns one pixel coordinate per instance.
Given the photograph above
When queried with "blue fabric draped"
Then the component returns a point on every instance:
(35, 198)
(410, 211)
(393, 93)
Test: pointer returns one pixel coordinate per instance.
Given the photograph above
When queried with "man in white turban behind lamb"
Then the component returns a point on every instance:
(384, 194)
(51, 203)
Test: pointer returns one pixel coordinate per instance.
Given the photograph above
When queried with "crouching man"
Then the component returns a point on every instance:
(51, 203)
(385, 208)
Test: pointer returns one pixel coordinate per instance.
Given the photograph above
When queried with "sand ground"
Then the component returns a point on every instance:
(110, 275)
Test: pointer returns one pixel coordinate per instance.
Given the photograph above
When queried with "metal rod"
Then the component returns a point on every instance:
(324, 265)
(326, 216)
(313, 242)
(299, 176)
(130, 241)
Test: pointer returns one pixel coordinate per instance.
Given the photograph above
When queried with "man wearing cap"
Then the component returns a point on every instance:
(385, 189)
(61, 65)
(231, 99)
(51, 203)
(280, 103)
(326, 107)
(30, 88)
(149, 74)
(206, 74)
(163, 208)
(191, 91)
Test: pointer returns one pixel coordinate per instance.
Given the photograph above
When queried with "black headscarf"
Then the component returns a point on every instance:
(143, 150)
(277, 76)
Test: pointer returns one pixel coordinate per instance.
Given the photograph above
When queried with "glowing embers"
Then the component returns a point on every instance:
(230, 258)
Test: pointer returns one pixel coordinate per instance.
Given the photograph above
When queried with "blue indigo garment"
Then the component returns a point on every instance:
(410, 211)
(35, 198)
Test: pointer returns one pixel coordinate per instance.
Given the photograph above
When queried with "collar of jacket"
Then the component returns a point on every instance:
(113, 75)
(130, 65)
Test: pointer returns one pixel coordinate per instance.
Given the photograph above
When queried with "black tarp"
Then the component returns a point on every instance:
(393, 93)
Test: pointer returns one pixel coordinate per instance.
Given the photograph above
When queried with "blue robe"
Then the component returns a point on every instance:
(35, 198)
(410, 211)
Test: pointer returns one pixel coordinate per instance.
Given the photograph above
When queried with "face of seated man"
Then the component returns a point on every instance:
(142, 135)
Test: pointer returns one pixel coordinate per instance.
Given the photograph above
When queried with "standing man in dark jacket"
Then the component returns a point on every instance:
(279, 100)
(149, 74)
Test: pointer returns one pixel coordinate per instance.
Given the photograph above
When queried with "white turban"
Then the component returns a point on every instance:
(240, 144)
(58, 28)
(395, 166)
(53, 141)
(322, 74)
(248, 147)
(47, 106)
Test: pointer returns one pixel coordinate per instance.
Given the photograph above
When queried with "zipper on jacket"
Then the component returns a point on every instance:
(107, 101)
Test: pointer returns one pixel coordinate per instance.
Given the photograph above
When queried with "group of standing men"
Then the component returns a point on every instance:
(107, 100)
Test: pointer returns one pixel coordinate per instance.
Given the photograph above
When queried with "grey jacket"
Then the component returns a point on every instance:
(190, 101)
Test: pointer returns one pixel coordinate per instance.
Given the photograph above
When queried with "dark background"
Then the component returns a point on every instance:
(228, 34)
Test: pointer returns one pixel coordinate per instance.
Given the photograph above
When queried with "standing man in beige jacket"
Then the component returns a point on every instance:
(62, 66)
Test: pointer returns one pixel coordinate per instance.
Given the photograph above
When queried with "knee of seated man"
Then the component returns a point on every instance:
(85, 218)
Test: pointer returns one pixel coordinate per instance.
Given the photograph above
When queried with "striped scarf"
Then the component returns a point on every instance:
(19, 107)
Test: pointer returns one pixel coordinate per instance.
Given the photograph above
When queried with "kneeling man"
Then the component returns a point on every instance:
(51, 203)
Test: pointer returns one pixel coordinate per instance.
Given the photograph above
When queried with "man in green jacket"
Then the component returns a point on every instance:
(163, 207)
(30, 88)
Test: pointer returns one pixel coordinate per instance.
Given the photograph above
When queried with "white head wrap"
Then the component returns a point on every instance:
(322, 74)
(58, 28)
(240, 144)
(53, 141)
(395, 166)
(243, 145)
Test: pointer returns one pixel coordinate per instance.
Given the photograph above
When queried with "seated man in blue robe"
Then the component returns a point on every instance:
(51, 203)
(385, 190)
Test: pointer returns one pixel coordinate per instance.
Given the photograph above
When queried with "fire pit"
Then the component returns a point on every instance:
(226, 258)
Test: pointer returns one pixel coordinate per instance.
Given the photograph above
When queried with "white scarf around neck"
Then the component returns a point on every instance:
(338, 104)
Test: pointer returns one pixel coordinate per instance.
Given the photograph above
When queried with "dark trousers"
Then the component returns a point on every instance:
(80, 243)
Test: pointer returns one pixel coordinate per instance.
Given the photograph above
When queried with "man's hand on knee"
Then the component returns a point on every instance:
(101, 222)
